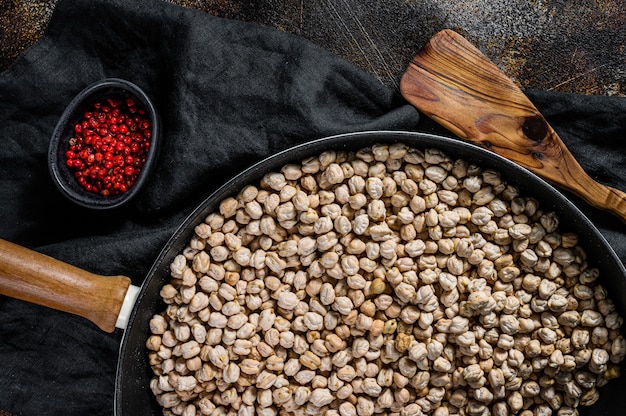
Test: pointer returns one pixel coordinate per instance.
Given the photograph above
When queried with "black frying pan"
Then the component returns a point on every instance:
(132, 393)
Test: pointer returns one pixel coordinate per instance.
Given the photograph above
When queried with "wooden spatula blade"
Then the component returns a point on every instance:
(455, 84)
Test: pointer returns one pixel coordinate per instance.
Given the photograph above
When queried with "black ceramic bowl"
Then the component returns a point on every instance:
(110, 88)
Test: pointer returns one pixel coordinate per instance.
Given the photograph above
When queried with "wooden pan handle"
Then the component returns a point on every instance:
(453, 83)
(34, 277)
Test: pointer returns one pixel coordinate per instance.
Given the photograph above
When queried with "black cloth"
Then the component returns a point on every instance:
(229, 93)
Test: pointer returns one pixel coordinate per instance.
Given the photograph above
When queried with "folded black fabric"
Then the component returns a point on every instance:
(229, 94)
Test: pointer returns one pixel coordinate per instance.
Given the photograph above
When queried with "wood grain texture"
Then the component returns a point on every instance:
(34, 277)
(453, 83)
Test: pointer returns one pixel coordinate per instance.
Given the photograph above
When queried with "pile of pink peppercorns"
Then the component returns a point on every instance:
(109, 146)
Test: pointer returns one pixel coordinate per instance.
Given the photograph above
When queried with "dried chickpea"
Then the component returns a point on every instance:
(389, 281)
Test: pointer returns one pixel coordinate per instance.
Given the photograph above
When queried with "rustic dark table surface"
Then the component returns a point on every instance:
(560, 45)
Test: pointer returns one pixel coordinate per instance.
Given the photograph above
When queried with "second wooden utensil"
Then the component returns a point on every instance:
(453, 83)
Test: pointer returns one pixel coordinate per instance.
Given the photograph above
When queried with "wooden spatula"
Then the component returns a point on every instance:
(453, 83)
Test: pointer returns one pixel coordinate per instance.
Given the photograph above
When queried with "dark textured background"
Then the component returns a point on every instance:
(561, 45)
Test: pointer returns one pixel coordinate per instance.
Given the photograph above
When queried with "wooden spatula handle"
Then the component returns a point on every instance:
(34, 277)
(453, 83)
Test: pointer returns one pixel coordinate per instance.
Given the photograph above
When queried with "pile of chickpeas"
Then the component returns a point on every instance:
(387, 281)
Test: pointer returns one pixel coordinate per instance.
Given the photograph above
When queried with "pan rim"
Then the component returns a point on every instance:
(558, 200)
